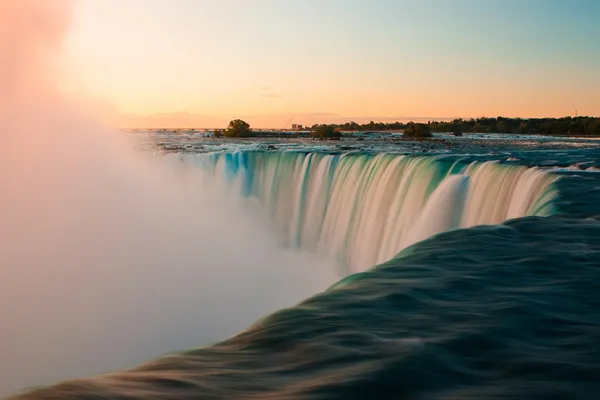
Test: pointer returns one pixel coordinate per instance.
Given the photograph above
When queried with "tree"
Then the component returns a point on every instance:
(596, 129)
(325, 132)
(417, 130)
(458, 129)
(238, 128)
(576, 128)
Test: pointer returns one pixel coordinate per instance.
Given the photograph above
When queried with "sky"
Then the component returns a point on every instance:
(201, 63)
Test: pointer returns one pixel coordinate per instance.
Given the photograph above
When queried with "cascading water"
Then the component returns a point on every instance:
(362, 209)
(443, 211)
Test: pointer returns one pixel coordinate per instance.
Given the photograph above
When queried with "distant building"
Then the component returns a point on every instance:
(296, 127)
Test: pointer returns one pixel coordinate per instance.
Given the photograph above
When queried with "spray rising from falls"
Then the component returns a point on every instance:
(363, 209)
(108, 260)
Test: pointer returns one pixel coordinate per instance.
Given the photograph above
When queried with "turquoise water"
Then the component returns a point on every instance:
(362, 209)
(486, 285)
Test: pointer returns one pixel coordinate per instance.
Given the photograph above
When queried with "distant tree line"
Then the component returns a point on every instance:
(584, 126)
(325, 132)
(577, 126)
(333, 131)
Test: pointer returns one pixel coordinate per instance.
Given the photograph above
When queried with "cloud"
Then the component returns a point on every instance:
(269, 92)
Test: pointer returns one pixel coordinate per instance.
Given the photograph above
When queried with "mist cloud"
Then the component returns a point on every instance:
(107, 257)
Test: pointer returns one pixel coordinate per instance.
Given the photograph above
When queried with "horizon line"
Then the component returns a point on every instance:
(390, 120)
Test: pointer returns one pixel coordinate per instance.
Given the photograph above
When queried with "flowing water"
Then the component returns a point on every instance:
(363, 209)
(471, 273)
(491, 311)
(108, 260)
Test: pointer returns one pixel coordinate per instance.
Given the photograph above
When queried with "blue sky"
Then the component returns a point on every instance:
(344, 59)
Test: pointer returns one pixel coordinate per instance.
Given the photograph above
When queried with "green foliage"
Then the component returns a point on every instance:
(417, 130)
(325, 131)
(533, 126)
(238, 128)
(457, 129)
(580, 126)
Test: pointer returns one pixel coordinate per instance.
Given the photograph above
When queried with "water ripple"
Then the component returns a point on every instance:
(501, 312)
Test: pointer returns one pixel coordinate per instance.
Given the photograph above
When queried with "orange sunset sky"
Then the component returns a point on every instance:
(201, 63)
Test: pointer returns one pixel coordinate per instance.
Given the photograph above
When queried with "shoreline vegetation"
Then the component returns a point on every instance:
(580, 126)
(567, 126)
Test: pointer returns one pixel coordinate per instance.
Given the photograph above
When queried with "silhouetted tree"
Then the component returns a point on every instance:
(238, 128)
(325, 132)
(530, 126)
(417, 130)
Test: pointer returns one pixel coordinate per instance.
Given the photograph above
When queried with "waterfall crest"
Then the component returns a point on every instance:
(362, 209)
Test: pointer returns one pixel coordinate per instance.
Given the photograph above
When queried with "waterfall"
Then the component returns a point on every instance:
(362, 209)
(442, 212)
